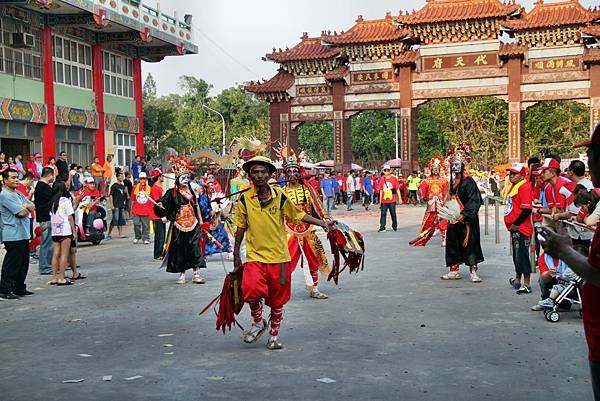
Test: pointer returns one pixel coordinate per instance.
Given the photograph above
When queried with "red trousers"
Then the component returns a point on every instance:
(264, 281)
(313, 261)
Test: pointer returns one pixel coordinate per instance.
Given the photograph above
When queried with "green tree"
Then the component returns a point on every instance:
(315, 138)
(554, 126)
(149, 88)
(373, 135)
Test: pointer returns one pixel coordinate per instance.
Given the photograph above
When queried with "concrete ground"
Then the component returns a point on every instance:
(395, 331)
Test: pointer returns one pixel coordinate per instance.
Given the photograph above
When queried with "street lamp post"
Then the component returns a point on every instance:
(223, 120)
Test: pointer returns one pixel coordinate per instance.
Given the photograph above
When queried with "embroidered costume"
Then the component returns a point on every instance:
(182, 246)
(434, 190)
(303, 242)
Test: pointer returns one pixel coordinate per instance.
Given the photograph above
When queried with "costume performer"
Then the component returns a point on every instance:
(463, 237)
(267, 273)
(218, 240)
(302, 237)
(182, 246)
(434, 190)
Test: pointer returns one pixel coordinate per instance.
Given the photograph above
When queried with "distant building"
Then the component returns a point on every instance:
(70, 74)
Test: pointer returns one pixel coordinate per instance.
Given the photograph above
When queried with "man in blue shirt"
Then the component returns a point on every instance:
(367, 189)
(328, 190)
(14, 211)
(136, 168)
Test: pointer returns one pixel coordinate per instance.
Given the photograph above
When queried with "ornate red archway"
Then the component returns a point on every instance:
(448, 48)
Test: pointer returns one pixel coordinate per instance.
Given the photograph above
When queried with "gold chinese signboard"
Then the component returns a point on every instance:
(371, 76)
(404, 140)
(554, 64)
(313, 90)
(469, 60)
(337, 140)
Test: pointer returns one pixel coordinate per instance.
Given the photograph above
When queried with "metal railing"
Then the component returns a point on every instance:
(497, 202)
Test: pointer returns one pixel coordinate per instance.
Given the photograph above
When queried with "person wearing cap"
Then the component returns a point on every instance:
(389, 197)
(140, 209)
(89, 196)
(517, 218)
(118, 200)
(158, 223)
(558, 189)
(560, 246)
(108, 173)
(32, 165)
(259, 216)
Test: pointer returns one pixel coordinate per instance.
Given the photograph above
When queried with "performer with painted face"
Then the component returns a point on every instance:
(180, 207)
(434, 190)
(302, 238)
(463, 243)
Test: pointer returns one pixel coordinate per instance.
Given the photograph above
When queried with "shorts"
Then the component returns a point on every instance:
(264, 281)
(412, 194)
(118, 217)
(61, 238)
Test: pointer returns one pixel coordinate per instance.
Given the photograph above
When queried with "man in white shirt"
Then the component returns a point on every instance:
(350, 188)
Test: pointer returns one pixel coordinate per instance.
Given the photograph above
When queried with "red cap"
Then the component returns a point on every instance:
(156, 173)
(37, 155)
(518, 168)
(537, 171)
(550, 163)
(593, 140)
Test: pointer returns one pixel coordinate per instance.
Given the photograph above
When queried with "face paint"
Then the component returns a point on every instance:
(457, 166)
(292, 173)
(183, 180)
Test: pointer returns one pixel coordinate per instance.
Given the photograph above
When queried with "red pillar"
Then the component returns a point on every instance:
(139, 106)
(49, 130)
(99, 92)
(594, 95)
(342, 135)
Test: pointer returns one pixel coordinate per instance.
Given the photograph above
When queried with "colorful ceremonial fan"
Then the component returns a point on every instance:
(350, 245)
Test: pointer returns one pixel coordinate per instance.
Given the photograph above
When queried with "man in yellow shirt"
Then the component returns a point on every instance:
(107, 174)
(259, 215)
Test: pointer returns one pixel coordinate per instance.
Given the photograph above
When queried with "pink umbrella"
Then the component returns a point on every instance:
(394, 163)
(330, 164)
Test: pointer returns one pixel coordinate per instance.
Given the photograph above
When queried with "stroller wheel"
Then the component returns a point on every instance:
(552, 316)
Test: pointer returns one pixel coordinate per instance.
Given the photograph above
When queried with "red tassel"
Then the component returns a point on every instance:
(230, 302)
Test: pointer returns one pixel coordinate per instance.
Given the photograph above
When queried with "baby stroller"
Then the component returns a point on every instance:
(571, 295)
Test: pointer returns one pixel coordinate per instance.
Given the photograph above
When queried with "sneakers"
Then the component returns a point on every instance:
(24, 293)
(514, 284)
(197, 279)
(146, 242)
(316, 294)
(546, 303)
(6, 297)
(274, 344)
(537, 307)
(475, 278)
(181, 279)
(451, 276)
(108, 237)
(443, 243)
(135, 241)
(381, 230)
(255, 332)
(524, 290)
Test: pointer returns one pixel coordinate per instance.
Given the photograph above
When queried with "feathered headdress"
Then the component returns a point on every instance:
(289, 158)
(461, 152)
(436, 161)
(181, 166)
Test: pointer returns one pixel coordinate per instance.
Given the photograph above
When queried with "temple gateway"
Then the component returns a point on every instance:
(448, 48)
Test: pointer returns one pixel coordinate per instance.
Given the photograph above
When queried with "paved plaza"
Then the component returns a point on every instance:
(395, 331)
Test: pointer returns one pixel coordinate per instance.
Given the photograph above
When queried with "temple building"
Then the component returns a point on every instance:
(448, 48)
(71, 75)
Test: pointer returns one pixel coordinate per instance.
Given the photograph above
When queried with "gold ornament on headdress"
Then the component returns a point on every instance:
(461, 152)
(180, 166)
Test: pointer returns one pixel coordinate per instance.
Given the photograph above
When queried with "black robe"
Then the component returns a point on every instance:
(456, 253)
(183, 248)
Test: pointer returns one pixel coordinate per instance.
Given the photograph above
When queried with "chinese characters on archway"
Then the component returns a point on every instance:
(460, 61)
